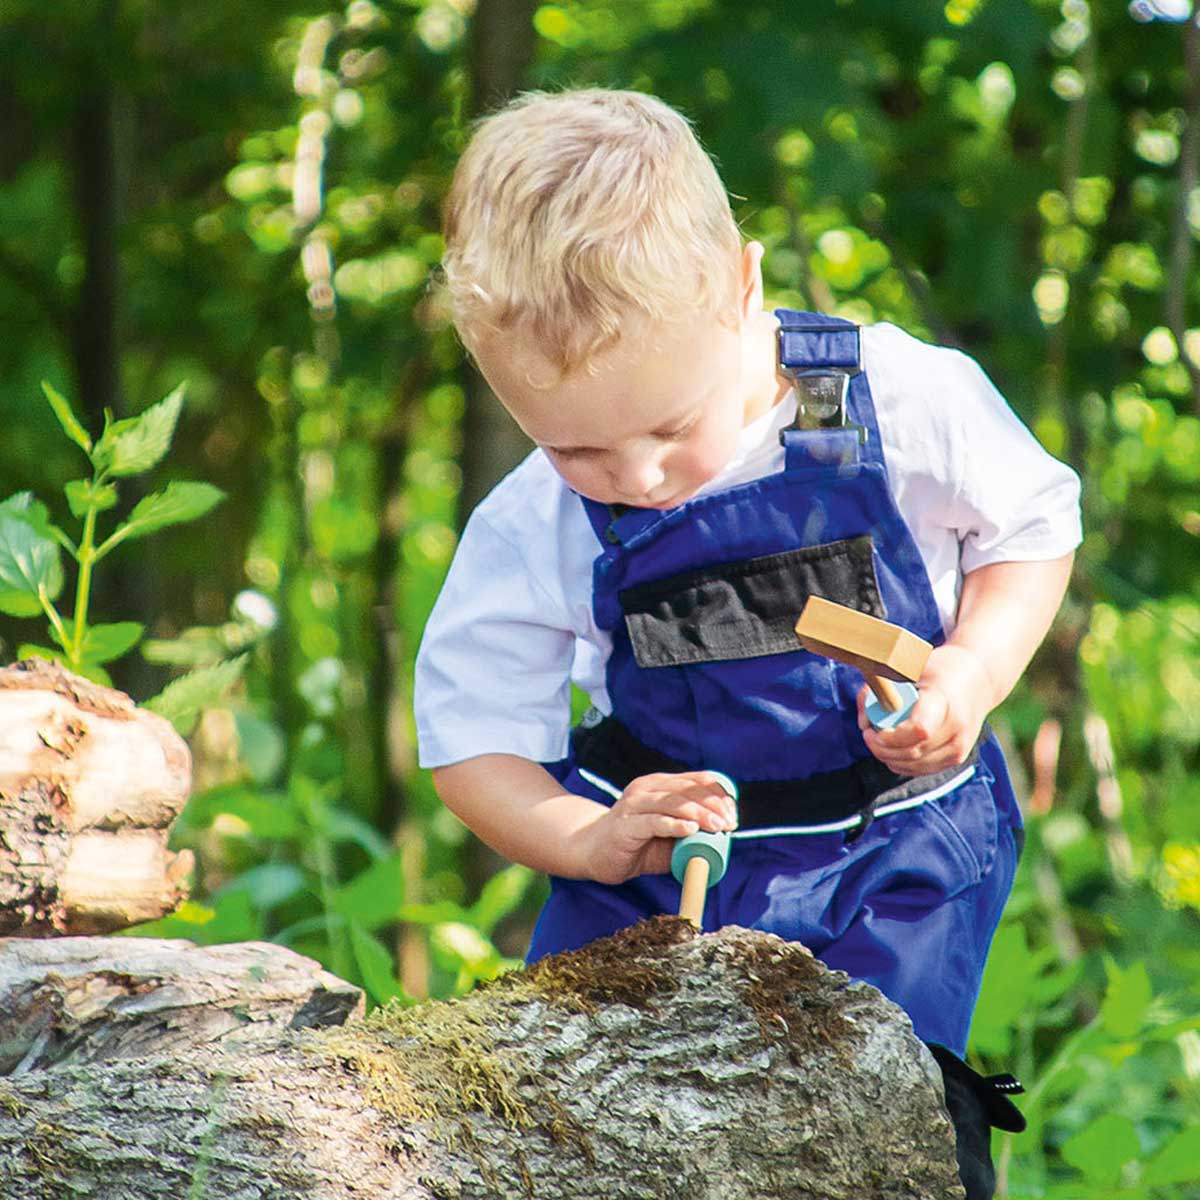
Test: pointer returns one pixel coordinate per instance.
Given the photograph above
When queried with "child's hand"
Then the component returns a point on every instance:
(956, 696)
(636, 836)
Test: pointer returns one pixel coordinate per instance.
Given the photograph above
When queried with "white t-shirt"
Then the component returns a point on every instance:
(514, 626)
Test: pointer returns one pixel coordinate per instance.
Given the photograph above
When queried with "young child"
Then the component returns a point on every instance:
(702, 467)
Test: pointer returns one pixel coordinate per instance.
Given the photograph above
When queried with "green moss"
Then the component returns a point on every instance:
(12, 1104)
(789, 992)
(47, 1149)
(440, 1063)
(626, 968)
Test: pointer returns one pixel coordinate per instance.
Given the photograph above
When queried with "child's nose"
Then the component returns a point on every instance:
(638, 477)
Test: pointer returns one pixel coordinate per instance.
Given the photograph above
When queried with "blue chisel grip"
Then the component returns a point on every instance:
(712, 846)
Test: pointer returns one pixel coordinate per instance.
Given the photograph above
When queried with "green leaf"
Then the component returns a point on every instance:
(183, 699)
(464, 943)
(30, 650)
(500, 896)
(103, 643)
(269, 884)
(342, 826)
(176, 503)
(83, 494)
(1103, 1148)
(1008, 983)
(375, 965)
(134, 445)
(29, 557)
(1177, 1162)
(374, 896)
(262, 746)
(1127, 999)
(265, 814)
(67, 418)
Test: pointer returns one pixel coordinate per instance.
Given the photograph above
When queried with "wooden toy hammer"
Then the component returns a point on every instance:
(883, 652)
(699, 861)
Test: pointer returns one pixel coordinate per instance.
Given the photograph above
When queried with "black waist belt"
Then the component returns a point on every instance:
(610, 751)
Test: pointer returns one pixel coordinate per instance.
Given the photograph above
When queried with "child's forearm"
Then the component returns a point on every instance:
(1004, 613)
(519, 809)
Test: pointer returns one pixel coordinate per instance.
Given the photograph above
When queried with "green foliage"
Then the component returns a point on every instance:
(31, 574)
(1002, 175)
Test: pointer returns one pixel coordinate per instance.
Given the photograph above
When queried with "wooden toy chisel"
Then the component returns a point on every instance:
(890, 658)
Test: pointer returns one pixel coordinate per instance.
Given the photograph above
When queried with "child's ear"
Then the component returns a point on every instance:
(748, 298)
(750, 281)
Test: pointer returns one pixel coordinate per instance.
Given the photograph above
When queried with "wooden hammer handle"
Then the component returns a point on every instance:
(885, 691)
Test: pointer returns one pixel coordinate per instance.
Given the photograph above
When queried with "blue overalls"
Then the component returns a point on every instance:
(706, 673)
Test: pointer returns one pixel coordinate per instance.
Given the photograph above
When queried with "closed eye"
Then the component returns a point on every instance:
(679, 432)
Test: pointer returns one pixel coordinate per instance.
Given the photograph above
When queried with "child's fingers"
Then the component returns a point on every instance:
(685, 795)
(660, 825)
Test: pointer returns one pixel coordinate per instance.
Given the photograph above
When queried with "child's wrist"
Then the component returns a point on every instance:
(582, 842)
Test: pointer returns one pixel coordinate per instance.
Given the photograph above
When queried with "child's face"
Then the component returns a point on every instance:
(660, 416)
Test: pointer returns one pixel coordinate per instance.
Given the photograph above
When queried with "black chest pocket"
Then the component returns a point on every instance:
(745, 609)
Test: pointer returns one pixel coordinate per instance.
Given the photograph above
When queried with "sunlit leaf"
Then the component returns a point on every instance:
(135, 444)
(83, 494)
(1177, 1162)
(1103, 1148)
(375, 896)
(375, 964)
(501, 895)
(103, 643)
(183, 699)
(66, 418)
(176, 503)
(264, 814)
(29, 557)
(1127, 999)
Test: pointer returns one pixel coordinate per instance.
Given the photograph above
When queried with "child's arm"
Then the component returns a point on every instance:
(519, 809)
(1004, 612)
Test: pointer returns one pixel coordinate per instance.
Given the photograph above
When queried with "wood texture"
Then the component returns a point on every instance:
(89, 785)
(861, 640)
(657, 1063)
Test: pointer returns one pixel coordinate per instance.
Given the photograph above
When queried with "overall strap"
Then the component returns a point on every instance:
(615, 524)
(823, 357)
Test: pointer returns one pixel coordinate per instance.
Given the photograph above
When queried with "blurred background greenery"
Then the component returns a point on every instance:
(245, 198)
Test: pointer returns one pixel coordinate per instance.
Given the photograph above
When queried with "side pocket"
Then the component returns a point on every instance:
(745, 609)
(968, 822)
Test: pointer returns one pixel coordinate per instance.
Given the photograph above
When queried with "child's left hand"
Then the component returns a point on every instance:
(955, 697)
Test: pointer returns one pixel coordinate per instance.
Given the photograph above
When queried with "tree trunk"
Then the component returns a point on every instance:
(501, 51)
(658, 1062)
(89, 785)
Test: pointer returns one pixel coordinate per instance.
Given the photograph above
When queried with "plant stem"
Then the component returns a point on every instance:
(86, 555)
(52, 613)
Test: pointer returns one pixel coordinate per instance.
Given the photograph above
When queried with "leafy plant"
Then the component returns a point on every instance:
(31, 545)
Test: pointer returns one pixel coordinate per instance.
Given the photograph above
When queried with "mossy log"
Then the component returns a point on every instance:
(89, 786)
(657, 1063)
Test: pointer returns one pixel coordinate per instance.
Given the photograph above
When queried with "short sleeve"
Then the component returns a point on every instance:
(1015, 502)
(974, 484)
(494, 666)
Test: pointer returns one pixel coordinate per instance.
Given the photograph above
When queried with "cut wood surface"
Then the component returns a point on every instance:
(89, 786)
(657, 1063)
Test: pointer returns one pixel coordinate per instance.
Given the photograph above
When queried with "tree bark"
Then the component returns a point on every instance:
(89, 785)
(658, 1062)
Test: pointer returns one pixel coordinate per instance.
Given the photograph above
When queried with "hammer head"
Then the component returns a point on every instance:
(863, 641)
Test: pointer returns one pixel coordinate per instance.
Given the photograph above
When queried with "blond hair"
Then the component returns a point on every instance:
(570, 212)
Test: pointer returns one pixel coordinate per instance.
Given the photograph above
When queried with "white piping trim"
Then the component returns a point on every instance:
(884, 810)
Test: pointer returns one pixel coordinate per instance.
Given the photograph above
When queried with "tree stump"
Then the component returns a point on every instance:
(656, 1063)
(89, 786)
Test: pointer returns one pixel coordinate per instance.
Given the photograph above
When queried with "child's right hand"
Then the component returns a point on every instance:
(636, 836)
